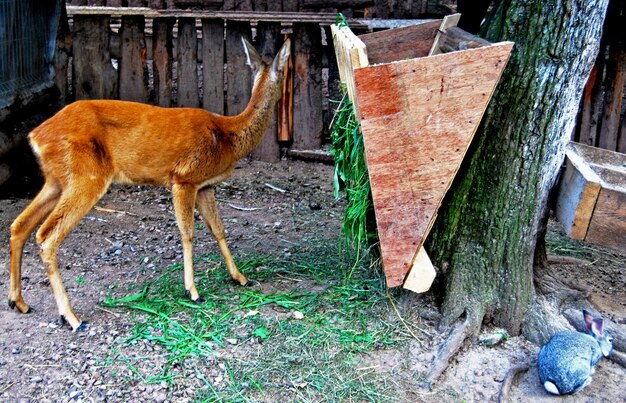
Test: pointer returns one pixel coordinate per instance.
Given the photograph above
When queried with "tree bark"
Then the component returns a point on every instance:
(486, 235)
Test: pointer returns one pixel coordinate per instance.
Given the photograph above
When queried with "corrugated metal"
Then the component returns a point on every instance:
(27, 43)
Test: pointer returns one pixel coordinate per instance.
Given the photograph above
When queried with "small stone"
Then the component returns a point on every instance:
(15, 351)
(231, 341)
(160, 397)
(36, 379)
(75, 394)
(297, 315)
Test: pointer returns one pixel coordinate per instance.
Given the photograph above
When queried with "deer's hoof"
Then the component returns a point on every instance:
(11, 304)
(84, 325)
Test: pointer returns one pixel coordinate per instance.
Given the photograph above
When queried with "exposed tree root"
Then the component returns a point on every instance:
(510, 378)
(458, 334)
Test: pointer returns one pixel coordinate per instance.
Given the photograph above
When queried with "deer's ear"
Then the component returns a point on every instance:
(281, 59)
(252, 57)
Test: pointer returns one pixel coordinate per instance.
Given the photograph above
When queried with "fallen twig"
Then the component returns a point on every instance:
(244, 208)
(7, 387)
(117, 315)
(108, 210)
(275, 188)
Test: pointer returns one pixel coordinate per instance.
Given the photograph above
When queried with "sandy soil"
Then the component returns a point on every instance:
(136, 229)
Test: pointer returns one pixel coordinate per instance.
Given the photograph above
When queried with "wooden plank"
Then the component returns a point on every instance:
(448, 21)
(187, 63)
(285, 104)
(94, 76)
(418, 118)
(578, 193)
(455, 39)
(351, 54)
(162, 50)
(238, 75)
(132, 63)
(213, 65)
(62, 56)
(268, 43)
(613, 98)
(307, 86)
(400, 43)
(608, 224)
(421, 275)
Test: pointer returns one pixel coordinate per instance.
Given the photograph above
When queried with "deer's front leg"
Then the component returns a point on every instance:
(207, 207)
(184, 197)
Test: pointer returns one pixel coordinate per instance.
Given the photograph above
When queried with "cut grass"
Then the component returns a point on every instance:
(264, 349)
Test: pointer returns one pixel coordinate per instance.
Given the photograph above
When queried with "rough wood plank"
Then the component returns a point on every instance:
(455, 39)
(285, 104)
(268, 42)
(62, 56)
(132, 64)
(162, 50)
(418, 118)
(238, 76)
(608, 224)
(351, 54)
(448, 21)
(400, 43)
(94, 76)
(213, 65)
(577, 198)
(307, 91)
(421, 275)
(613, 98)
(187, 63)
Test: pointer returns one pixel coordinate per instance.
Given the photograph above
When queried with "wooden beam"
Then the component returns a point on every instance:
(132, 63)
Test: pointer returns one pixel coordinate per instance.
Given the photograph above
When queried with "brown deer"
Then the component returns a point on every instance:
(90, 144)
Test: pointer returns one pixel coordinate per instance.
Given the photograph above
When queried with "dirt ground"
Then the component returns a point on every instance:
(265, 208)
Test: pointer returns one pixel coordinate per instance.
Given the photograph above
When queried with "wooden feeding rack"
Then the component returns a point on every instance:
(419, 93)
(591, 205)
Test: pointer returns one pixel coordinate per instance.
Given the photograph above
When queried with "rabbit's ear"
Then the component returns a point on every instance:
(597, 327)
(588, 319)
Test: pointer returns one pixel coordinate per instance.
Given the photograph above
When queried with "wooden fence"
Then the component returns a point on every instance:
(196, 59)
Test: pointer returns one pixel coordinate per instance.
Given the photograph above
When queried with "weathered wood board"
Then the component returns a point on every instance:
(400, 43)
(591, 205)
(187, 63)
(94, 75)
(162, 51)
(307, 86)
(418, 118)
(132, 64)
(238, 77)
(213, 65)
(270, 41)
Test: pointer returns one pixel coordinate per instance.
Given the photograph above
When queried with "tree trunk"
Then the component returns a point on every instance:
(486, 235)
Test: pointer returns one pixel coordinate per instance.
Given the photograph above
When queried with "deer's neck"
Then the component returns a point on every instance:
(255, 119)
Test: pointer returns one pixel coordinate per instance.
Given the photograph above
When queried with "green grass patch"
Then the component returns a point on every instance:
(351, 175)
(299, 335)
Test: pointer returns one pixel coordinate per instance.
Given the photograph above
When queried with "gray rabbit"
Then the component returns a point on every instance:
(567, 361)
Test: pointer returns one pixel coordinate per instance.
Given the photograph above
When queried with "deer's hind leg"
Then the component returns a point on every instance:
(22, 227)
(77, 198)
(207, 207)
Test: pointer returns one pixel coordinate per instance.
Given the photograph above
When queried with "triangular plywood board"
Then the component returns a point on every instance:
(418, 118)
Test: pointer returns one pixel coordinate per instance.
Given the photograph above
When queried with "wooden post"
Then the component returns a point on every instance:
(213, 65)
(187, 63)
(94, 75)
(269, 41)
(238, 75)
(162, 50)
(285, 104)
(307, 92)
(132, 64)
